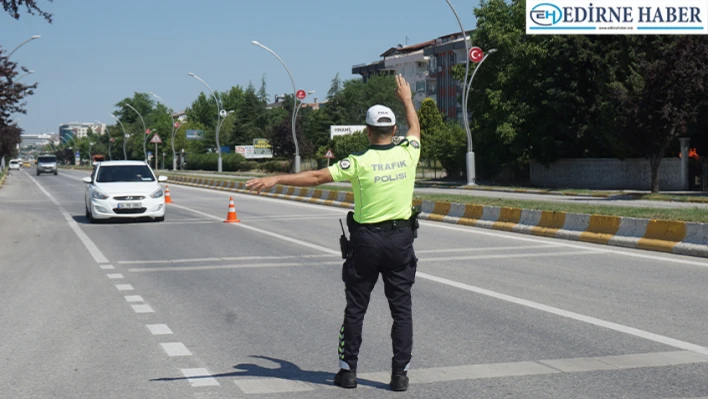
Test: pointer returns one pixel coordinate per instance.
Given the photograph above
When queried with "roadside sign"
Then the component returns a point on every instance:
(112, 140)
(301, 94)
(177, 125)
(147, 131)
(156, 139)
(329, 154)
(476, 54)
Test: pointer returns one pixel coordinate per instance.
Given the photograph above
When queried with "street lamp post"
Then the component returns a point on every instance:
(144, 130)
(300, 105)
(22, 44)
(174, 130)
(90, 145)
(297, 149)
(471, 174)
(219, 114)
(469, 85)
(110, 140)
(125, 136)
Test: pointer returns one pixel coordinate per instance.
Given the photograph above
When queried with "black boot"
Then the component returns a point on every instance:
(345, 379)
(399, 381)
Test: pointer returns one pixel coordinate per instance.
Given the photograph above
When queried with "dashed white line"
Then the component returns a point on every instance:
(142, 309)
(134, 298)
(175, 349)
(107, 267)
(159, 329)
(199, 377)
(272, 385)
(115, 276)
(124, 287)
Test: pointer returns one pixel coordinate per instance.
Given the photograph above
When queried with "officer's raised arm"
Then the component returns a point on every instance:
(403, 91)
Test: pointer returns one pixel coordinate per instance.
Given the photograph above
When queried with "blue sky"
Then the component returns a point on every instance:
(98, 52)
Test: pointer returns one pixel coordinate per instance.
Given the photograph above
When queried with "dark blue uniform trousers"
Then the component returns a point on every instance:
(374, 251)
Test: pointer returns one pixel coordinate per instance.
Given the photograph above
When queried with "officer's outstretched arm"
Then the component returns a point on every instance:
(303, 179)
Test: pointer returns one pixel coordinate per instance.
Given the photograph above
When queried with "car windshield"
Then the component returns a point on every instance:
(124, 173)
(15, 162)
(46, 159)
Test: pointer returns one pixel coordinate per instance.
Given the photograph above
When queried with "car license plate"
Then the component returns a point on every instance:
(129, 205)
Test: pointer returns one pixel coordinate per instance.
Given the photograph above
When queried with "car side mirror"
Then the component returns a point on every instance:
(87, 180)
(162, 178)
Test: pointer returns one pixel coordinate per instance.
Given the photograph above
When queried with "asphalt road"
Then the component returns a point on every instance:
(625, 201)
(195, 308)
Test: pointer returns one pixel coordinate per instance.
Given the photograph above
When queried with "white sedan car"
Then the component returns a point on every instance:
(15, 164)
(124, 189)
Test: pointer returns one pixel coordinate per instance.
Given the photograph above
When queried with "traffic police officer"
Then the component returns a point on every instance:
(381, 232)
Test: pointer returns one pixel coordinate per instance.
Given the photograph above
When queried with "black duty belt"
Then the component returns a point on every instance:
(386, 225)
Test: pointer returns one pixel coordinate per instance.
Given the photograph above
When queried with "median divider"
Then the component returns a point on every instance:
(684, 238)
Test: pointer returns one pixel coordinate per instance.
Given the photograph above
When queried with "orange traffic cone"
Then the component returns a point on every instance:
(231, 217)
(168, 199)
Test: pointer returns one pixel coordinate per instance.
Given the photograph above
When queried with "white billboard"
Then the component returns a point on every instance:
(616, 17)
(344, 130)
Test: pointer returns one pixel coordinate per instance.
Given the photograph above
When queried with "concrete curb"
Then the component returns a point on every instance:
(2, 179)
(683, 238)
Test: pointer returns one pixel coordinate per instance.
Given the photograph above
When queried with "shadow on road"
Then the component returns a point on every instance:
(287, 371)
(81, 219)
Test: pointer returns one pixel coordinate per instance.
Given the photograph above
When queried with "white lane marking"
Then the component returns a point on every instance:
(124, 287)
(175, 349)
(482, 231)
(134, 298)
(199, 377)
(266, 232)
(570, 315)
(520, 237)
(115, 276)
(225, 259)
(142, 308)
(224, 267)
(475, 249)
(159, 329)
(538, 306)
(339, 262)
(289, 218)
(107, 267)
(505, 256)
(90, 246)
(272, 385)
(555, 366)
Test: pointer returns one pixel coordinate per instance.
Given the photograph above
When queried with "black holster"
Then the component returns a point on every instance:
(414, 221)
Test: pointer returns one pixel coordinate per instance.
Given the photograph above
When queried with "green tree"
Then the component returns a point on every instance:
(335, 87)
(431, 122)
(661, 97)
(451, 142)
(12, 7)
(348, 144)
(263, 92)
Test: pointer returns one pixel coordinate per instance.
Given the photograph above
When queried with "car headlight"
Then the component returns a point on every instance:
(157, 194)
(98, 195)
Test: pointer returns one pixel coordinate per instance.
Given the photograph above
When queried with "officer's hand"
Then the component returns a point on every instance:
(403, 89)
(261, 184)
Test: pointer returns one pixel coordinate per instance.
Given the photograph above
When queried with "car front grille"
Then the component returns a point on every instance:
(129, 211)
(129, 198)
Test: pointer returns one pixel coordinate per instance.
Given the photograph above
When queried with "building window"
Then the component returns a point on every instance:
(420, 86)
